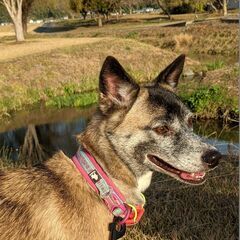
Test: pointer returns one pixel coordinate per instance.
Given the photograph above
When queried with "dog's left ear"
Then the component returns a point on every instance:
(117, 88)
(170, 75)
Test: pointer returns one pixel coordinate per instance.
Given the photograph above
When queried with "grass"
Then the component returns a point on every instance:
(217, 64)
(211, 38)
(43, 77)
(72, 99)
(68, 77)
(210, 102)
(144, 49)
(13, 50)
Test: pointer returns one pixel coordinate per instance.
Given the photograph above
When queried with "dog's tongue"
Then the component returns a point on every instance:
(192, 176)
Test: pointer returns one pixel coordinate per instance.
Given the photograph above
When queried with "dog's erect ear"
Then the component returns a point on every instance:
(170, 75)
(116, 85)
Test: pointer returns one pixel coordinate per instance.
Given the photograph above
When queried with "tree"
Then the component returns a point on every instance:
(80, 6)
(224, 3)
(4, 16)
(102, 7)
(164, 5)
(50, 8)
(14, 8)
(219, 4)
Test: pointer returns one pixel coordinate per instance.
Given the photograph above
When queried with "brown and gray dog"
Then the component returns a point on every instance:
(136, 130)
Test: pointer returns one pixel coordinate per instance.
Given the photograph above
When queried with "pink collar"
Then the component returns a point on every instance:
(106, 189)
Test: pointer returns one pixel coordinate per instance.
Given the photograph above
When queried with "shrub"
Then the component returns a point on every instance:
(209, 102)
(184, 8)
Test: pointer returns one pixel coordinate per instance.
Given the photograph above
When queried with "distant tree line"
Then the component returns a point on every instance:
(19, 11)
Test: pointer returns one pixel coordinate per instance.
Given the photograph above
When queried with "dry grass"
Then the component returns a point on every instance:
(62, 58)
(29, 79)
(183, 42)
(8, 30)
(226, 77)
(11, 49)
(207, 38)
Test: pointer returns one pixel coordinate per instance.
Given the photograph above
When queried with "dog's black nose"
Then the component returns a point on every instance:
(211, 157)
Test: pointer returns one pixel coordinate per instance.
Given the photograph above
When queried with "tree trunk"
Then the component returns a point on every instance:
(18, 27)
(117, 15)
(84, 14)
(24, 23)
(214, 8)
(26, 6)
(91, 15)
(225, 8)
(165, 10)
(14, 9)
(99, 20)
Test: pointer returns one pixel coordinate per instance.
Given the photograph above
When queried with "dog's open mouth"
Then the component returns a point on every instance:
(193, 178)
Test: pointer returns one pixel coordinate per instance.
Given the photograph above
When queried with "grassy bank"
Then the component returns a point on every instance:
(212, 38)
(54, 77)
(68, 76)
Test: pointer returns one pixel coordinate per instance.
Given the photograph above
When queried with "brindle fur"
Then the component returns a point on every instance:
(52, 201)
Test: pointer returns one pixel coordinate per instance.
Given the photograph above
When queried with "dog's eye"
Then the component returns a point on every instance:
(163, 130)
(190, 122)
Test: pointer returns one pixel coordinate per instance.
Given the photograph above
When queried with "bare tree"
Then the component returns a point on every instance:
(219, 4)
(224, 3)
(163, 5)
(14, 8)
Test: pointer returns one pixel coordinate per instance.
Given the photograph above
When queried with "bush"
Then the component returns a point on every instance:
(211, 102)
(184, 8)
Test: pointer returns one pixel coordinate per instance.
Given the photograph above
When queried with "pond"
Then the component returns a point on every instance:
(57, 128)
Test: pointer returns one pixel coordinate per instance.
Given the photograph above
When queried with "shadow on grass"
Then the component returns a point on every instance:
(53, 29)
(65, 26)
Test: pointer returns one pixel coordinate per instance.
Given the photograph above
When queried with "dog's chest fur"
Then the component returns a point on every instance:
(144, 181)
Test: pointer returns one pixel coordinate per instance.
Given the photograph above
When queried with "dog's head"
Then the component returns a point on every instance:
(149, 127)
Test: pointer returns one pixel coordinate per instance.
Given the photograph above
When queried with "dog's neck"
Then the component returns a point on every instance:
(122, 176)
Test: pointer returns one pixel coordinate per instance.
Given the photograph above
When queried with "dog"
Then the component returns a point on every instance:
(135, 131)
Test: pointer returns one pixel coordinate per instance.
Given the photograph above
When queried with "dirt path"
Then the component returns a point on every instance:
(12, 49)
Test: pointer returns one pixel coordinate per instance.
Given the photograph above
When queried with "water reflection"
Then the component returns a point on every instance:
(53, 134)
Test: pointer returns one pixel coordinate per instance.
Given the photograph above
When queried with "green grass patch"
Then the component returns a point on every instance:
(132, 34)
(217, 64)
(70, 98)
(209, 102)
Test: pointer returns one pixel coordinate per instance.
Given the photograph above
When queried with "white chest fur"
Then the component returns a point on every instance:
(144, 181)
